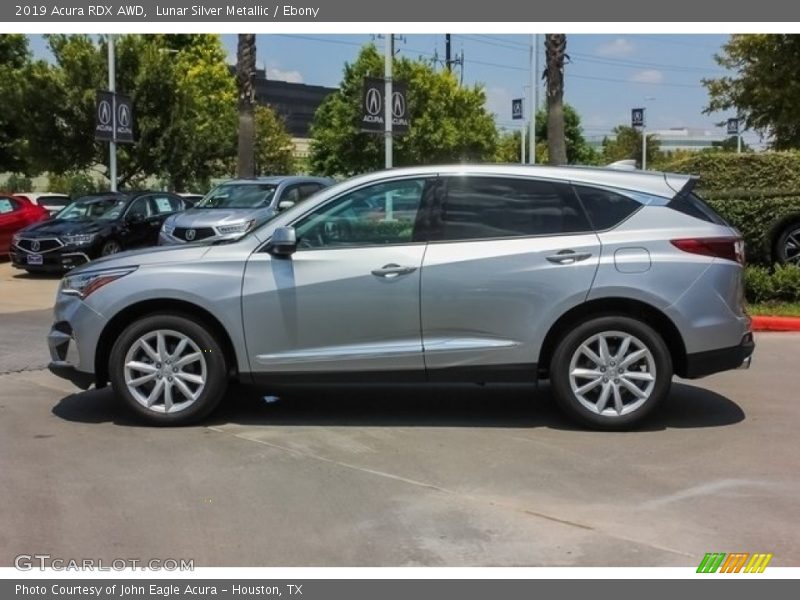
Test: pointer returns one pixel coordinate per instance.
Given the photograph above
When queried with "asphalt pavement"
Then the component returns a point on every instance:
(394, 476)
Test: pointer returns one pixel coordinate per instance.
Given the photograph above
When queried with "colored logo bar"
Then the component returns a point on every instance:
(736, 562)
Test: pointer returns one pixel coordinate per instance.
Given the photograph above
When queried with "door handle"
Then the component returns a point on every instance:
(568, 257)
(392, 270)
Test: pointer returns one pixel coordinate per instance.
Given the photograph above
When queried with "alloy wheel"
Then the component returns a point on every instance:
(612, 373)
(165, 371)
(791, 247)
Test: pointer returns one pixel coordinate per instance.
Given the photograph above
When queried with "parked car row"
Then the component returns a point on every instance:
(104, 224)
(604, 282)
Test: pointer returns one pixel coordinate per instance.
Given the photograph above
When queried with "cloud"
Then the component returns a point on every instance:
(617, 47)
(281, 75)
(648, 76)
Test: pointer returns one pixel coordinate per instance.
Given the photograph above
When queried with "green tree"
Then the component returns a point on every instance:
(628, 145)
(184, 99)
(579, 152)
(764, 88)
(449, 122)
(274, 148)
(15, 61)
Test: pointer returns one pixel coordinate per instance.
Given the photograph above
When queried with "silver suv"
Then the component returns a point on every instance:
(237, 206)
(604, 282)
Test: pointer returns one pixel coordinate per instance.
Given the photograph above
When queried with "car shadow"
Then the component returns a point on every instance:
(512, 406)
(36, 275)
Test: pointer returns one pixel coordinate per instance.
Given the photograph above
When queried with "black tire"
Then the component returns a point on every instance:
(216, 370)
(560, 372)
(110, 247)
(787, 245)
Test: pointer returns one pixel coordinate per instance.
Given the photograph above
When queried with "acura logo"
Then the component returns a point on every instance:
(190, 233)
(373, 101)
(35, 245)
(104, 112)
(124, 115)
(398, 105)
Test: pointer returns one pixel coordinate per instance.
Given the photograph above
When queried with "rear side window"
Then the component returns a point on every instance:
(497, 207)
(606, 209)
(693, 205)
(308, 189)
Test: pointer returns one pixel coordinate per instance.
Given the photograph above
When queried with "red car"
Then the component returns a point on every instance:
(16, 213)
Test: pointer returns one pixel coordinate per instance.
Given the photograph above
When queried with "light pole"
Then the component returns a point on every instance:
(387, 102)
(533, 97)
(112, 87)
(644, 131)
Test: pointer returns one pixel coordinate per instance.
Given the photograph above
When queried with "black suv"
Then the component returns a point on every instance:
(93, 226)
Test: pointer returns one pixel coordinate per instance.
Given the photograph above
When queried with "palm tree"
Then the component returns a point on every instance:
(555, 45)
(245, 76)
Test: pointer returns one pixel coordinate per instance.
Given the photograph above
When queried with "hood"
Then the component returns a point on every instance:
(54, 227)
(214, 217)
(147, 256)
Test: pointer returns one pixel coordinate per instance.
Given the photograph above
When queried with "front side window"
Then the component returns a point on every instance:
(380, 214)
(497, 207)
(139, 209)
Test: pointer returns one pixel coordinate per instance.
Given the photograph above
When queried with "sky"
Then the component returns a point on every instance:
(607, 74)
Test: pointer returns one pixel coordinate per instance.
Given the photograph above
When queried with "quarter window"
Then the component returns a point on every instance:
(497, 207)
(606, 209)
(380, 214)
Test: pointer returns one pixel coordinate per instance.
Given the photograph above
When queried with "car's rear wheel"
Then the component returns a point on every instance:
(611, 371)
(169, 369)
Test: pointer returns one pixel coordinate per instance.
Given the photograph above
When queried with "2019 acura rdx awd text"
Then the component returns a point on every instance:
(604, 282)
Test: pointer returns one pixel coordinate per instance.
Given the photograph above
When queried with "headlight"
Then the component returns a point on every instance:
(16, 238)
(168, 227)
(83, 284)
(80, 239)
(238, 228)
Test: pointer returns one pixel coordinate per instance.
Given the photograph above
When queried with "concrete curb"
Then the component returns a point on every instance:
(770, 323)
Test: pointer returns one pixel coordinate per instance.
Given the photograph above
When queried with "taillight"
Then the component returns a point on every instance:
(729, 248)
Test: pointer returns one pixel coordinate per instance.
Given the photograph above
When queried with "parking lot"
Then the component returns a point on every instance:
(393, 476)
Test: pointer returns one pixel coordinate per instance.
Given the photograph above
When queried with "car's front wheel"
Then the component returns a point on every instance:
(169, 369)
(611, 371)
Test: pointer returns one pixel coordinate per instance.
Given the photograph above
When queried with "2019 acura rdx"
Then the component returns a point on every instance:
(605, 282)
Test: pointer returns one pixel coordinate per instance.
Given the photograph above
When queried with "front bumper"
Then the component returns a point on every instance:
(56, 261)
(73, 340)
(701, 364)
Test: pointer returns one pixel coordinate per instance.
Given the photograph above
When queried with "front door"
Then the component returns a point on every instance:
(347, 301)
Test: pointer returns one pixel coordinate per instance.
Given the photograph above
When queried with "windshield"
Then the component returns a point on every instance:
(239, 195)
(106, 209)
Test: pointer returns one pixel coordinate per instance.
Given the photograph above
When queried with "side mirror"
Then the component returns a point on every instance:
(284, 204)
(283, 242)
(134, 218)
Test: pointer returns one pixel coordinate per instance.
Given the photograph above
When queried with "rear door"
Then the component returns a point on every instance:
(506, 257)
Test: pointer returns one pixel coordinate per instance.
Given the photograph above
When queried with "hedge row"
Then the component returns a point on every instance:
(758, 193)
(781, 284)
(759, 219)
(746, 171)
